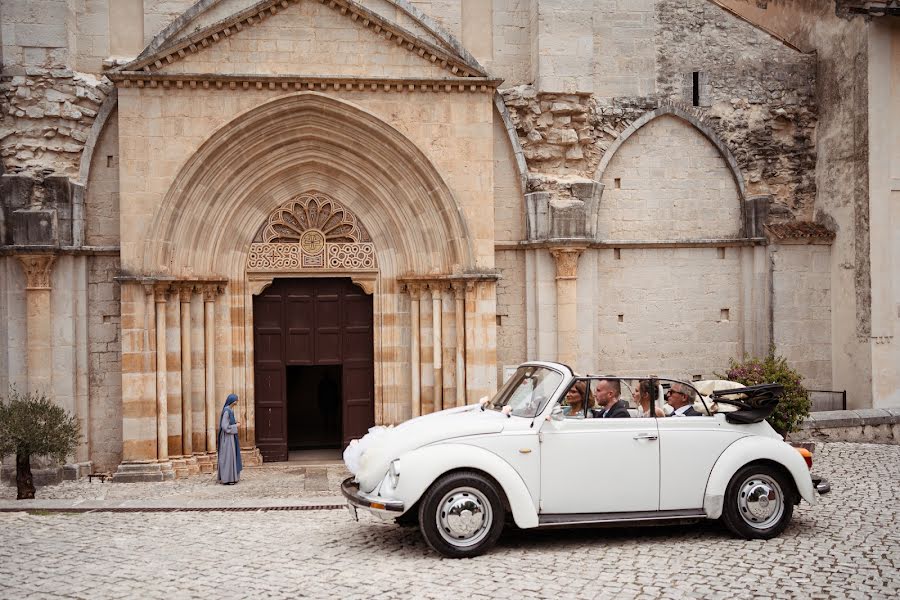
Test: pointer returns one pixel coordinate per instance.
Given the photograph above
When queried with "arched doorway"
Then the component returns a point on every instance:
(313, 365)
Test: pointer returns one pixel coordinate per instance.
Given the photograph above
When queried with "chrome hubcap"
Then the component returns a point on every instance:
(464, 517)
(760, 501)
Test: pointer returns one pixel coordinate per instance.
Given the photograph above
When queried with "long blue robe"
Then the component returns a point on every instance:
(229, 446)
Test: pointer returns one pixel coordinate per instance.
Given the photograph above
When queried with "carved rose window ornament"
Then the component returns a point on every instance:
(312, 232)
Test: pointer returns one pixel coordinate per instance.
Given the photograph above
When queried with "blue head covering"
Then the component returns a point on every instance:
(231, 399)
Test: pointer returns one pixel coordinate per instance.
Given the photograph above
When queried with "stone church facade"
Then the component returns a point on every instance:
(209, 196)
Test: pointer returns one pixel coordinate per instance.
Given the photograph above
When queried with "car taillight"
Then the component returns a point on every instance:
(807, 456)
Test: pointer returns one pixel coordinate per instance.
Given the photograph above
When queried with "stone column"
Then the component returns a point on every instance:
(437, 346)
(415, 372)
(459, 293)
(160, 293)
(567, 303)
(38, 352)
(187, 447)
(209, 338)
(140, 422)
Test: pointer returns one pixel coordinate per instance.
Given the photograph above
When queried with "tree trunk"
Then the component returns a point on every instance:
(24, 480)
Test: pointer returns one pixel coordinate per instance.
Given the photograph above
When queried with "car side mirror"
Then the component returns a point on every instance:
(557, 413)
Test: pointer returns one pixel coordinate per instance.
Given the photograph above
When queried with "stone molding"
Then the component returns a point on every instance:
(37, 269)
(265, 9)
(296, 83)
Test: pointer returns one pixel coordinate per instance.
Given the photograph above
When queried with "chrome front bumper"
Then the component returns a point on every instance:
(357, 499)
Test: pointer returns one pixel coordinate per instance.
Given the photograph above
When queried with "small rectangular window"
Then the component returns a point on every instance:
(618, 183)
(724, 314)
(617, 254)
(721, 252)
(696, 377)
(696, 88)
(109, 161)
(621, 318)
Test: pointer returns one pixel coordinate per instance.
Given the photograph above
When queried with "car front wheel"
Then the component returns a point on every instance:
(758, 502)
(461, 515)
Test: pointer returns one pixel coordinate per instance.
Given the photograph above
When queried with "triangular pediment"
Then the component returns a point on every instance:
(312, 38)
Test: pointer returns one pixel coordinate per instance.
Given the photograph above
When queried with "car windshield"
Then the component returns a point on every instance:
(527, 391)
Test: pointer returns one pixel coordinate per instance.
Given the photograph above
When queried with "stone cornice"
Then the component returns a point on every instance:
(612, 244)
(286, 83)
(265, 9)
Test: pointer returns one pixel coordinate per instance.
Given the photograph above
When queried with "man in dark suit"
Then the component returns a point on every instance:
(607, 397)
(681, 399)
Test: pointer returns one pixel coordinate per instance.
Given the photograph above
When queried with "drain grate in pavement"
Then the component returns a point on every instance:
(137, 509)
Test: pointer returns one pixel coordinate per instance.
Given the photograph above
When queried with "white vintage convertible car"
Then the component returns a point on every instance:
(537, 457)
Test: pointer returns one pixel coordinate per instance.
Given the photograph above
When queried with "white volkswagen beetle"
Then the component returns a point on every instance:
(539, 454)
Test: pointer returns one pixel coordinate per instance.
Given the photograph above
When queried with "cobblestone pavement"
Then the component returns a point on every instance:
(846, 547)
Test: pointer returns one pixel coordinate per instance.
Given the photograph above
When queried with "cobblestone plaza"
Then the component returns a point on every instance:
(846, 547)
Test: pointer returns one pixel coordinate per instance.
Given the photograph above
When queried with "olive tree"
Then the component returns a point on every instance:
(32, 425)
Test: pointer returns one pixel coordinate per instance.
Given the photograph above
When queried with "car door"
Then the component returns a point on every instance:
(689, 448)
(599, 465)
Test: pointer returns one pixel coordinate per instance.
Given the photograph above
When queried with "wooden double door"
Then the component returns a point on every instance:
(313, 346)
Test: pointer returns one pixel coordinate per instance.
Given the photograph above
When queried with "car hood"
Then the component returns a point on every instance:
(390, 443)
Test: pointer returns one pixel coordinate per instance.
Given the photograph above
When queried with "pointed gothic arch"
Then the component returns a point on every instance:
(686, 116)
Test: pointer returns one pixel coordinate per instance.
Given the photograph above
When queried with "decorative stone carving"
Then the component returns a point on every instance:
(566, 261)
(312, 232)
(37, 269)
(317, 213)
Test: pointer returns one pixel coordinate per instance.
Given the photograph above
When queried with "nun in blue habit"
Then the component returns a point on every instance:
(228, 444)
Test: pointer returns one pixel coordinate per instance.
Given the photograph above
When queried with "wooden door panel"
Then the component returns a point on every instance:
(359, 406)
(271, 425)
(328, 328)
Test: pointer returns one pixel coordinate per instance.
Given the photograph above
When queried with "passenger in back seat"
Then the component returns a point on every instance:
(648, 391)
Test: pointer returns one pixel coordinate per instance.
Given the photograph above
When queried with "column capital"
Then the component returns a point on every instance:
(37, 269)
(209, 291)
(161, 292)
(458, 287)
(414, 290)
(567, 261)
(185, 291)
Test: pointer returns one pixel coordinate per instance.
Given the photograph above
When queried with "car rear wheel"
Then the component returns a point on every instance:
(461, 515)
(758, 502)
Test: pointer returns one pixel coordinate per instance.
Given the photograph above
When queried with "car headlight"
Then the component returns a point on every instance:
(394, 472)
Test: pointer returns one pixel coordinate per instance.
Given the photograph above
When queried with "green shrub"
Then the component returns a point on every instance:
(794, 404)
(33, 425)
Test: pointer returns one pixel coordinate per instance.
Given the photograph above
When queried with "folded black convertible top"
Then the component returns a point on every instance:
(754, 403)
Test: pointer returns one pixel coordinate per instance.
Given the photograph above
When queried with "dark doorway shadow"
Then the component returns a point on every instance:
(313, 407)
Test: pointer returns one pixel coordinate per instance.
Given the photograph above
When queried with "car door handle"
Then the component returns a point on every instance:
(646, 436)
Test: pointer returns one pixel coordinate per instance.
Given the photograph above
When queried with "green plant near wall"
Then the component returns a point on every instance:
(33, 425)
(794, 404)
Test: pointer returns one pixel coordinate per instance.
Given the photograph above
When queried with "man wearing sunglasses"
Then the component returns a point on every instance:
(681, 400)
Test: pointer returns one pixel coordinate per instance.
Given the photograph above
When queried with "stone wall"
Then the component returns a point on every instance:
(105, 366)
(101, 207)
(759, 95)
(755, 93)
(668, 182)
(511, 318)
(801, 310)
(655, 315)
(46, 118)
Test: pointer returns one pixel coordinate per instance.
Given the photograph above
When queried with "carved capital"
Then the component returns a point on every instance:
(414, 290)
(185, 291)
(459, 288)
(209, 291)
(37, 269)
(161, 292)
(566, 261)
